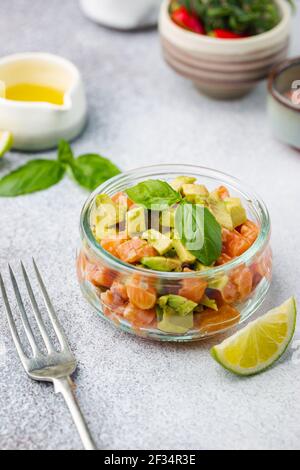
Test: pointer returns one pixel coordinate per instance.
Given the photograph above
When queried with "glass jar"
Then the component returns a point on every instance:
(238, 287)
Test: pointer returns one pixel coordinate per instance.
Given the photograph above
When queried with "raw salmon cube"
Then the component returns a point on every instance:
(138, 317)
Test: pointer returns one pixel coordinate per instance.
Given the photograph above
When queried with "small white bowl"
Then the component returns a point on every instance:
(224, 68)
(38, 125)
(284, 114)
(122, 14)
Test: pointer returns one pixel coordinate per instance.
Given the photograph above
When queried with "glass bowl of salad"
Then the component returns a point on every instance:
(175, 252)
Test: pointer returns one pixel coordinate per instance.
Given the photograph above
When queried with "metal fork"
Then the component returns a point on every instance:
(55, 367)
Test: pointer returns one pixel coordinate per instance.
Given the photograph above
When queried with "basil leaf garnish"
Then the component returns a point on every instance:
(199, 231)
(36, 175)
(154, 193)
(65, 153)
(91, 170)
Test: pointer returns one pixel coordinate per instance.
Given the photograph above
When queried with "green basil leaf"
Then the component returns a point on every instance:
(34, 176)
(65, 153)
(152, 193)
(200, 232)
(91, 170)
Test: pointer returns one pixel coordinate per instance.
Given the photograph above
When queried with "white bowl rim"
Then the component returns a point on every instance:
(46, 57)
(276, 72)
(208, 40)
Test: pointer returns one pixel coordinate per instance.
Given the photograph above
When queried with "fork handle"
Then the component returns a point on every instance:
(65, 386)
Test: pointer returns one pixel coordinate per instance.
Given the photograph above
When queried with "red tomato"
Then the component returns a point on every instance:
(182, 17)
(226, 34)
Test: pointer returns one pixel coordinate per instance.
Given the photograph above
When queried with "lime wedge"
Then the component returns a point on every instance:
(261, 343)
(6, 141)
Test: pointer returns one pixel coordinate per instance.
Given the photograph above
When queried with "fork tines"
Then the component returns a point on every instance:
(37, 315)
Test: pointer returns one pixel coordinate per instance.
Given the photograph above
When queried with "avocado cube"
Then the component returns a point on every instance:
(103, 199)
(178, 183)
(219, 283)
(121, 213)
(209, 303)
(159, 313)
(102, 232)
(222, 215)
(172, 323)
(172, 254)
(214, 195)
(160, 242)
(201, 267)
(183, 254)
(104, 221)
(168, 218)
(159, 263)
(236, 210)
(136, 221)
(179, 304)
(106, 212)
(200, 200)
(103, 212)
(195, 192)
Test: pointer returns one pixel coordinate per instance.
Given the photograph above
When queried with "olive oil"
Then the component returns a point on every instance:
(34, 93)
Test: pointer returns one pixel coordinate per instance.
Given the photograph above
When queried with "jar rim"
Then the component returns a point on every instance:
(116, 183)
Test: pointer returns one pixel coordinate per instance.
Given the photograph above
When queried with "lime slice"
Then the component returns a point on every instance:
(261, 343)
(6, 141)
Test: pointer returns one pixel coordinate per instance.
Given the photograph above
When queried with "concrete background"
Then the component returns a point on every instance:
(136, 394)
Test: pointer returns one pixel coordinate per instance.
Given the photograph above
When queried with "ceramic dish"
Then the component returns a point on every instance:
(98, 270)
(122, 14)
(224, 68)
(283, 110)
(40, 125)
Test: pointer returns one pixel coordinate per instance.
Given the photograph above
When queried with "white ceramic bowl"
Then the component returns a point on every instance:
(35, 125)
(224, 68)
(284, 114)
(122, 14)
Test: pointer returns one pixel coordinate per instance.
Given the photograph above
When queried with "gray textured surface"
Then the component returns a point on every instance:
(137, 394)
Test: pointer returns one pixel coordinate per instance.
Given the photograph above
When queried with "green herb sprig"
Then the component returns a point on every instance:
(152, 193)
(89, 171)
(196, 226)
(200, 232)
(248, 17)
